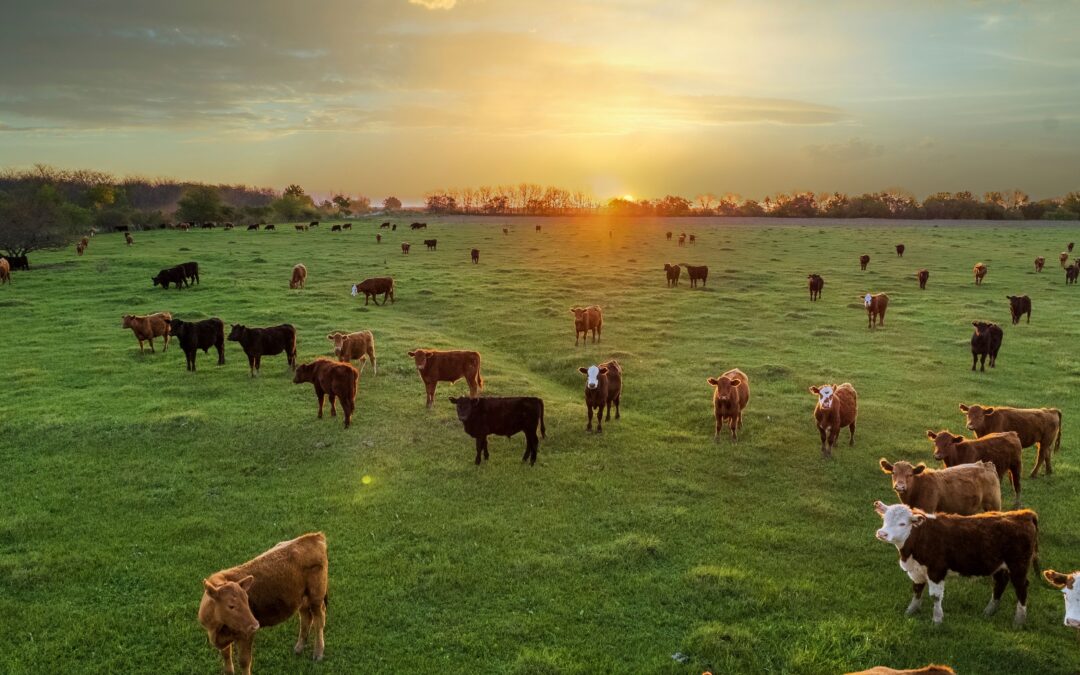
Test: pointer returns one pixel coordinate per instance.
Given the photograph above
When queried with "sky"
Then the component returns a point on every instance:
(614, 97)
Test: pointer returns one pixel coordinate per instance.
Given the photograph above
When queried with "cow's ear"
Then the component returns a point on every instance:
(917, 518)
(815, 391)
(885, 466)
(930, 434)
(412, 353)
(736, 383)
(210, 588)
(1056, 579)
(246, 582)
(880, 508)
(988, 411)
(583, 370)
(964, 408)
(603, 370)
(957, 439)
(918, 468)
(713, 381)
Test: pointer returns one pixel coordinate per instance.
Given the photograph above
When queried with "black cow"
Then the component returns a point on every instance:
(335, 228)
(431, 243)
(313, 223)
(1019, 305)
(191, 271)
(120, 228)
(270, 227)
(253, 227)
(260, 342)
(986, 341)
(419, 226)
(199, 335)
(502, 416)
(393, 228)
(18, 262)
(346, 226)
(385, 225)
(171, 275)
(1071, 272)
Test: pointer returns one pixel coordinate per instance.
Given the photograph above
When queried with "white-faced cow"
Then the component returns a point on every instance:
(603, 387)
(837, 407)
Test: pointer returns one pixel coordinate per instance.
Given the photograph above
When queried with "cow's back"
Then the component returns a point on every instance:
(1030, 424)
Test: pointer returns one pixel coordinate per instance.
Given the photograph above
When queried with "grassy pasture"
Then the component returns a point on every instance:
(127, 479)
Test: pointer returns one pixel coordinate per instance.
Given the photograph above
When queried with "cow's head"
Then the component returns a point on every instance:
(229, 605)
(903, 474)
(126, 321)
(944, 444)
(1071, 590)
(976, 417)
(305, 372)
(824, 394)
(981, 326)
(420, 356)
(237, 332)
(338, 339)
(465, 406)
(157, 280)
(726, 387)
(579, 315)
(867, 299)
(592, 375)
(897, 521)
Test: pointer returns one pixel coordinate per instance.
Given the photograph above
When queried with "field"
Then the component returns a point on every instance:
(128, 480)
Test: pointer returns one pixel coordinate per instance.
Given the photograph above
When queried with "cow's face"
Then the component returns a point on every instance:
(976, 416)
(126, 321)
(1071, 590)
(465, 406)
(592, 375)
(420, 356)
(304, 373)
(897, 521)
(903, 474)
(825, 395)
(980, 326)
(867, 299)
(726, 387)
(229, 602)
(579, 315)
(156, 280)
(944, 444)
(338, 339)
(237, 332)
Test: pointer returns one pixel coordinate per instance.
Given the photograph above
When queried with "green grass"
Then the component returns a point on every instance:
(128, 480)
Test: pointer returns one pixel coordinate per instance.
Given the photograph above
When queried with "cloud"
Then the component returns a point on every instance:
(434, 4)
(854, 150)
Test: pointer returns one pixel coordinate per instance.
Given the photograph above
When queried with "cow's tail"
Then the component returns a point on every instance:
(1057, 441)
(1035, 566)
(543, 429)
(479, 377)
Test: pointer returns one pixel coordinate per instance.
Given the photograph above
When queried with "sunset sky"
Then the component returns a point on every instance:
(612, 96)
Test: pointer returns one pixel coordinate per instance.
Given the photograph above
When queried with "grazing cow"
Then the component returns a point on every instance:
(5, 271)
(313, 223)
(19, 262)
(372, 287)
(299, 276)
(199, 335)
(436, 366)
(816, 284)
(419, 226)
(1019, 305)
(335, 228)
(603, 386)
(985, 341)
(148, 327)
(333, 379)
(837, 407)
(385, 225)
(128, 238)
(1071, 272)
(1039, 263)
(731, 392)
(253, 227)
(900, 248)
(393, 228)
(587, 319)
(697, 273)
(693, 239)
(431, 244)
(1001, 545)
(346, 226)
(301, 228)
(964, 489)
(191, 271)
(266, 591)
(228, 226)
(669, 236)
(506, 231)
(260, 342)
(171, 275)
(924, 276)
(932, 669)
(359, 345)
(405, 248)
(980, 272)
(864, 260)
(502, 416)
(673, 272)
(1041, 426)
(1064, 258)
(682, 239)
(269, 227)
(876, 304)
(1071, 590)
(537, 228)
(476, 256)
(1003, 450)
(378, 238)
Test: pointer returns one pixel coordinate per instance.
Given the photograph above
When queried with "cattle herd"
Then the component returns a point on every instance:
(947, 520)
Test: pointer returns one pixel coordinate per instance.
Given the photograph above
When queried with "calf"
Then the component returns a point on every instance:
(673, 272)
(876, 304)
(816, 283)
(964, 489)
(171, 275)
(603, 386)
(924, 276)
(864, 260)
(502, 416)
(260, 342)
(1003, 450)
(405, 248)
(980, 272)
(1039, 263)
(731, 392)
(359, 345)
(372, 287)
(837, 407)
(299, 276)
(1041, 426)
(1071, 272)
(385, 225)
(587, 319)
(269, 227)
(1019, 305)
(5, 271)
(289, 578)
(333, 379)
(128, 238)
(199, 335)
(346, 226)
(431, 244)
(436, 366)
(1064, 258)
(985, 341)
(335, 228)
(476, 256)
(1071, 590)
(900, 250)
(1001, 545)
(697, 273)
(148, 327)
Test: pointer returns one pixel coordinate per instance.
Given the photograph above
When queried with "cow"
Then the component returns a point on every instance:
(923, 275)
(191, 271)
(697, 273)
(1003, 450)
(731, 392)
(372, 287)
(418, 226)
(682, 239)
(299, 276)
(673, 272)
(171, 275)
(378, 238)
(260, 342)
(506, 231)
(18, 262)
(79, 248)
(228, 226)
(864, 260)
(184, 227)
(405, 248)
(980, 272)
(476, 256)
(269, 227)
(1039, 263)
(202, 335)
(603, 386)
(669, 236)
(966, 489)
(837, 407)
(301, 228)
(900, 248)
(537, 228)
(393, 228)
(587, 319)
(385, 226)
(334, 379)
(148, 327)
(1064, 258)
(932, 669)
(346, 226)
(266, 591)
(431, 244)
(128, 238)
(335, 228)
(5, 271)
(1003, 545)
(313, 223)
(253, 227)
(876, 304)
(985, 341)
(85, 241)
(693, 239)
(359, 345)
(502, 416)
(1069, 587)
(1041, 426)
(1069, 248)
(816, 284)
(1071, 272)
(1019, 305)
(436, 366)
(209, 226)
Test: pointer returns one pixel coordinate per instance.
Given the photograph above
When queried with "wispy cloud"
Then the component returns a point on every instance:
(434, 4)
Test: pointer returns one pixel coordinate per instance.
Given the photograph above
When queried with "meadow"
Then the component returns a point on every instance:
(128, 480)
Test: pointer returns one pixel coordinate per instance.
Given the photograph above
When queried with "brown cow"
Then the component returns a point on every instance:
(1039, 263)
(506, 231)
(437, 366)
(128, 238)
(587, 319)
(864, 260)
(669, 236)
(1071, 273)
(148, 327)
(964, 489)
(603, 386)
(1071, 590)
(333, 379)
(299, 276)
(697, 273)
(980, 272)
(358, 345)
(378, 238)
(932, 669)
(372, 287)
(537, 228)
(731, 392)
(816, 284)
(682, 239)
(837, 407)
(876, 304)
(1064, 258)
(1003, 450)
(80, 247)
(5, 271)
(1040, 426)
(264, 592)
(1019, 305)
(924, 276)
(900, 250)
(476, 256)
(673, 272)
(405, 248)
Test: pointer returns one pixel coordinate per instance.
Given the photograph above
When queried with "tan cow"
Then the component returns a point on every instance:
(148, 327)
(299, 276)
(436, 366)
(586, 319)
(1040, 426)
(731, 392)
(359, 345)
(5, 271)
(980, 272)
(1040, 262)
(965, 490)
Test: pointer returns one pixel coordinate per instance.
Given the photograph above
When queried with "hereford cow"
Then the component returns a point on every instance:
(587, 319)
(171, 275)
(816, 284)
(1019, 305)
(333, 379)
(932, 669)
(1035, 426)
(299, 276)
(148, 327)
(603, 386)
(673, 272)
(476, 256)
(985, 341)
(502, 416)
(335, 228)
(1003, 450)
(876, 304)
(266, 591)
(900, 250)
(964, 489)
(128, 238)
(1001, 545)
(923, 276)
(431, 244)
(837, 407)
(1039, 263)
(199, 335)
(1064, 258)
(359, 345)
(682, 239)
(1070, 588)
(731, 392)
(405, 248)
(980, 272)
(697, 273)
(260, 342)
(864, 260)
(1071, 272)
(5, 271)
(437, 366)
(372, 287)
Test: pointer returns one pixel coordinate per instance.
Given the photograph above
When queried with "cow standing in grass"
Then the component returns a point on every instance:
(923, 276)
(359, 345)
(334, 379)
(816, 284)
(148, 327)
(436, 366)
(299, 276)
(1034, 426)
(260, 342)
(864, 260)
(587, 319)
(475, 256)
(1040, 262)
(673, 272)
(603, 386)
(900, 250)
(980, 272)
(502, 416)
(371, 288)
(1071, 273)
(731, 393)
(837, 407)
(965, 489)
(5, 271)
(876, 304)
(199, 335)
(1003, 450)
(1019, 305)
(985, 341)
(696, 273)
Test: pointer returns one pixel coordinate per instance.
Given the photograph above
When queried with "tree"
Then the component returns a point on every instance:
(294, 190)
(343, 203)
(391, 203)
(201, 203)
(101, 195)
(38, 218)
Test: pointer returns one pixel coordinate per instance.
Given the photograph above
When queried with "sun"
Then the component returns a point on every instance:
(628, 197)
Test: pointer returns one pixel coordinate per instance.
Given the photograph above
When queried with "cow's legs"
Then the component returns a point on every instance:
(974, 360)
(305, 626)
(320, 393)
(588, 406)
(226, 659)
(823, 442)
(531, 443)
(719, 427)
(333, 407)
(1039, 459)
(1001, 580)
(220, 353)
(251, 364)
(166, 347)
(576, 333)
(474, 386)
(733, 423)
(916, 598)
(244, 647)
(608, 418)
(937, 591)
(1048, 444)
(851, 439)
(318, 623)
(430, 394)
(1020, 585)
(347, 408)
(617, 403)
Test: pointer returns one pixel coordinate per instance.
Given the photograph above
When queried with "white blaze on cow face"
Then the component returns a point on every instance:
(1070, 588)
(866, 299)
(354, 291)
(897, 522)
(825, 397)
(593, 377)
